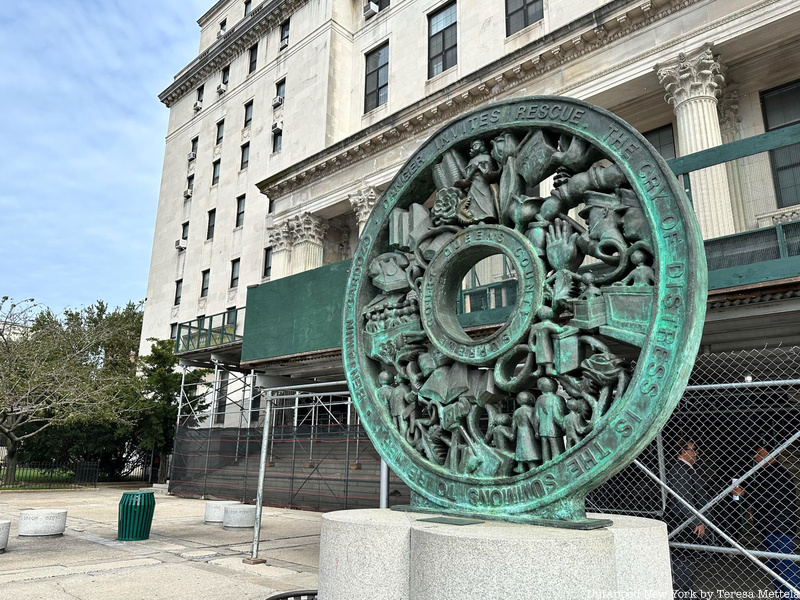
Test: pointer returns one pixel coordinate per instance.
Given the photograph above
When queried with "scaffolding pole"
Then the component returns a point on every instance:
(262, 469)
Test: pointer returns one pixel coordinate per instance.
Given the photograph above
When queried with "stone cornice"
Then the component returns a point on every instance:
(586, 34)
(236, 40)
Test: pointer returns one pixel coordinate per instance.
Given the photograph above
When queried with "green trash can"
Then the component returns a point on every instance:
(135, 516)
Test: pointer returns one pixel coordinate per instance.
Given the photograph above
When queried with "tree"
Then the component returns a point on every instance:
(57, 370)
(162, 389)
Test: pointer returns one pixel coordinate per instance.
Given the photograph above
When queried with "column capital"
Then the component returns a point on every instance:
(362, 202)
(280, 237)
(695, 74)
(307, 227)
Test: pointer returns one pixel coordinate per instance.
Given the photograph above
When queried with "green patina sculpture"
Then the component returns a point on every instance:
(521, 423)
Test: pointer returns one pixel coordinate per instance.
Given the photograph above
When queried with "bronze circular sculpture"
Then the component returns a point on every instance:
(521, 415)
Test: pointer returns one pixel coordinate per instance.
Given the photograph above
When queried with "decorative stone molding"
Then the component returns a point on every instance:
(542, 56)
(280, 237)
(362, 202)
(783, 215)
(728, 109)
(694, 75)
(307, 227)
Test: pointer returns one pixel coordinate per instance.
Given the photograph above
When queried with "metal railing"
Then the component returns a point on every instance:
(207, 332)
(49, 475)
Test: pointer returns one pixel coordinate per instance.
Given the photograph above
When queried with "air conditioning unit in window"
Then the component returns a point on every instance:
(277, 101)
(284, 44)
(198, 105)
(180, 245)
(187, 193)
(277, 127)
(222, 88)
(370, 10)
(191, 156)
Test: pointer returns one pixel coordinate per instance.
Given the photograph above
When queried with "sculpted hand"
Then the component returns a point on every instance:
(562, 247)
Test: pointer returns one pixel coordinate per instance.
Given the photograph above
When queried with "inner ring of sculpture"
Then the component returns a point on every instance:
(442, 284)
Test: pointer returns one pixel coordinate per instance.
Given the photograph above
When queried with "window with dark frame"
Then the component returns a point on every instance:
(220, 131)
(663, 140)
(442, 40)
(248, 113)
(382, 4)
(215, 172)
(270, 207)
(195, 143)
(173, 331)
(277, 141)
(284, 34)
(200, 92)
(212, 219)
(376, 85)
(178, 292)
(245, 156)
(521, 13)
(781, 108)
(240, 211)
(248, 6)
(205, 280)
(253, 58)
(267, 263)
(226, 74)
(280, 88)
(223, 25)
(190, 182)
(230, 315)
(235, 273)
(185, 231)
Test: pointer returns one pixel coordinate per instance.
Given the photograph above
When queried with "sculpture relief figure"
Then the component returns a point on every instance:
(499, 432)
(641, 274)
(550, 412)
(542, 342)
(481, 172)
(524, 425)
(576, 421)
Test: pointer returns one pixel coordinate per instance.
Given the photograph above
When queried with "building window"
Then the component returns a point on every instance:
(178, 292)
(195, 143)
(270, 207)
(245, 155)
(663, 140)
(382, 4)
(215, 173)
(277, 141)
(284, 34)
(442, 48)
(173, 331)
(280, 89)
(220, 131)
(248, 113)
(200, 92)
(521, 13)
(185, 231)
(253, 58)
(234, 273)
(267, 263)
(376, 87)
(230, 316)
(222, 398)
(190, 182)
(223, 25)
(782, 108)
(239, 211)
(226, 74)
(206, 278)
(212, 219)
(248, 6)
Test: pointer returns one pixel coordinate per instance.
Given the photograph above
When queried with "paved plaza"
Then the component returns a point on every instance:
(183, 559)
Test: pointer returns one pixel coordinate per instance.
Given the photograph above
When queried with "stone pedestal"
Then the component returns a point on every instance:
(5, 528)
(41, 522)
(384, 555)
(215, 510)
(241, 516)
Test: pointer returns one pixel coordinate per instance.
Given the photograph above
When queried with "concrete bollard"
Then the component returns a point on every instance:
(215, 509)
(42, 521)
(5, 528)
(241, 516)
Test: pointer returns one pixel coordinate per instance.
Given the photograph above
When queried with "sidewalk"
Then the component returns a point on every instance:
(183, 559)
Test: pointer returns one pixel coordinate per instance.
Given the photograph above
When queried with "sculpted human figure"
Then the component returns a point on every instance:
(642, 275)
(576, 421)
(527, 452)
(541, 340)
(550, 412)
(499, 432)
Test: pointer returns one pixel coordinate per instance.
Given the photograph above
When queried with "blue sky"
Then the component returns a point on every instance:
(83, 142)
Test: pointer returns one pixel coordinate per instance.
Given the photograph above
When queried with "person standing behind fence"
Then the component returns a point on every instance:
(772, 499)
(687, 483)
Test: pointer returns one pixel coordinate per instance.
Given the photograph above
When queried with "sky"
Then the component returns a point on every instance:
(83, 142)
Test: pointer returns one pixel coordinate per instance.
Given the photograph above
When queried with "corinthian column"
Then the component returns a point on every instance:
(280, 238)
(362, 203)
(309, 233)
(729, 119)
(693, 82)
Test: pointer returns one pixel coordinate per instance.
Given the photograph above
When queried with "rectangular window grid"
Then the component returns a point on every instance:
(220, 131)
(215, 173)
(235, 273)
(284, 34)
(521, 13)
(253, 58)
(376, 87)
(280, 89)
(195, 143)
(782, 108)
(442, 42)
(277, 142)
(248, 6)
(663, 140)
(240, 211)
(185, 231)
(248, 113)
(267, 263)
(226, 75)
(245, 156)
(200, 92)
(173, 331)
(212, 219)
(205, 280)
(178, 292)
